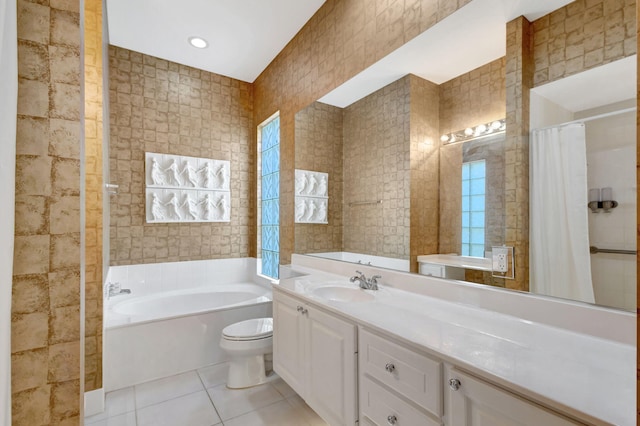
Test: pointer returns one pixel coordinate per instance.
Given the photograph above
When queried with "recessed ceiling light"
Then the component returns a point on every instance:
(198, 42)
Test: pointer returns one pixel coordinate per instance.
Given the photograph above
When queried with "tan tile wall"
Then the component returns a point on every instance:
(343, 38)
(424, 150)
(473, 98)
(164, 107)
(45, 349)
(519, 80)
(93, 194)
(377, 167)
(319, 148)
(583, 35)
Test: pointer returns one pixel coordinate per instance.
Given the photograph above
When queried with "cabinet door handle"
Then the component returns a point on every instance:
(302, 310)
(392, 419)
(454, 384)
(390, 367)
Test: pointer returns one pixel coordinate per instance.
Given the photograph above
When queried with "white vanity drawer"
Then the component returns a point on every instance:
(413, 375)
(380, 407)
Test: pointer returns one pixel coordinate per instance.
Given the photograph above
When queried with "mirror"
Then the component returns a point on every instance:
(396, 190)
(372, 211)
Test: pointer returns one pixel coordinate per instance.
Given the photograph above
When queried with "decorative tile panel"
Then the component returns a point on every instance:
(312, 196)
(186, 189)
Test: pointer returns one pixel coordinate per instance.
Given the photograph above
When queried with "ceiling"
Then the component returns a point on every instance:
(244, 36)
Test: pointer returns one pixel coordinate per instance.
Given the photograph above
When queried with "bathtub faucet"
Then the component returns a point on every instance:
(114, 289)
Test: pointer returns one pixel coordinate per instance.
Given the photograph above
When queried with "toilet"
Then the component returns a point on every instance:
(248, 343)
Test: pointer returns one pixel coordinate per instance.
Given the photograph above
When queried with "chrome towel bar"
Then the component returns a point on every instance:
(594, 249)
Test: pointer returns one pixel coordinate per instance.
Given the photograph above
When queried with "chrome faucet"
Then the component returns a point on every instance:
(364, 283)
(114, 289)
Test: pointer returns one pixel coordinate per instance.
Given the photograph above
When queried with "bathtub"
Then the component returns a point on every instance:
(157, 331)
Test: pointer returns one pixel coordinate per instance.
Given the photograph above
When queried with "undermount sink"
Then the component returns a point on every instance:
(343, 294)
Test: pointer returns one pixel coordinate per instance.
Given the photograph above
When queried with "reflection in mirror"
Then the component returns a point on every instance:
(400, 185)
(405, 204)
(472, 203)
(405, 200)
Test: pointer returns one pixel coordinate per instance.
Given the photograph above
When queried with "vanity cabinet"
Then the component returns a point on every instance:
(352, 373)
(397, 385)
(474, 402)
(315, 352)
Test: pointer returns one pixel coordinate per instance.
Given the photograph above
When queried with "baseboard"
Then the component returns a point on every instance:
(93, 402)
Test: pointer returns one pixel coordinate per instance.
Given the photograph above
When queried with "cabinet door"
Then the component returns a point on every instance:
(331, 368)
(477, 403)
(288, 341)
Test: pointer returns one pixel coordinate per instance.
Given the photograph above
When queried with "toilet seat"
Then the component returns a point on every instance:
(253, 329)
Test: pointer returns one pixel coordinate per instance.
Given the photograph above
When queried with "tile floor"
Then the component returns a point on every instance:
(201, 398)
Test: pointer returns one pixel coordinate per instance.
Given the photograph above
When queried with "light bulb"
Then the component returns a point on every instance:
(496, 125)
(444, 138)
(468, 131)
(481, 129)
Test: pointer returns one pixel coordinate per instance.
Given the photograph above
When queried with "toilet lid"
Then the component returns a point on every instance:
(252, 329)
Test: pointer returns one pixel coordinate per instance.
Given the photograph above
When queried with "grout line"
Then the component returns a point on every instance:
(257, 409)
(206, 390)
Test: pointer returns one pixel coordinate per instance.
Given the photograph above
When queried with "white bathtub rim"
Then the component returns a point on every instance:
(116, 320)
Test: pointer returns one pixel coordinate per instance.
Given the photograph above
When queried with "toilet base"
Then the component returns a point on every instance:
(245, 372)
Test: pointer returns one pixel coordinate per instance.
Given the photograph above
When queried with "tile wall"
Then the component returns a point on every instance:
(46, 341)
(611, 141)
(424, 157)
(377, 167)
(160, 106)
(319, 148)
(582, 35)
(519, 80)
(93, 193)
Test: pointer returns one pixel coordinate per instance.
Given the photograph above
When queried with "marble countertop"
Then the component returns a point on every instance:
(578, 374)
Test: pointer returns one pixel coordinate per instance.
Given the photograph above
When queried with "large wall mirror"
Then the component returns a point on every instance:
(415, 152)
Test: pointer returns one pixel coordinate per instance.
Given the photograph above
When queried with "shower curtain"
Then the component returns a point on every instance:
(8, 110)
(560, 263)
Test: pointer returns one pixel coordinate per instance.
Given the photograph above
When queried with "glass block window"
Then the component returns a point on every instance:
(270, 197)
(473, 200)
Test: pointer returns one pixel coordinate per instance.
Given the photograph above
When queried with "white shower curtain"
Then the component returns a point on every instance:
(560, 262)
(8, 106)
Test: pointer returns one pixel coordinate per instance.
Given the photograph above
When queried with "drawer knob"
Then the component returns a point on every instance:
(454, 384)
(302, 310)
(392, 420)
(390, 367)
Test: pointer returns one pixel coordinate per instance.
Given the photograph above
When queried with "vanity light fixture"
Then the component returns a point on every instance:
(198, 42)
(479, 131)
